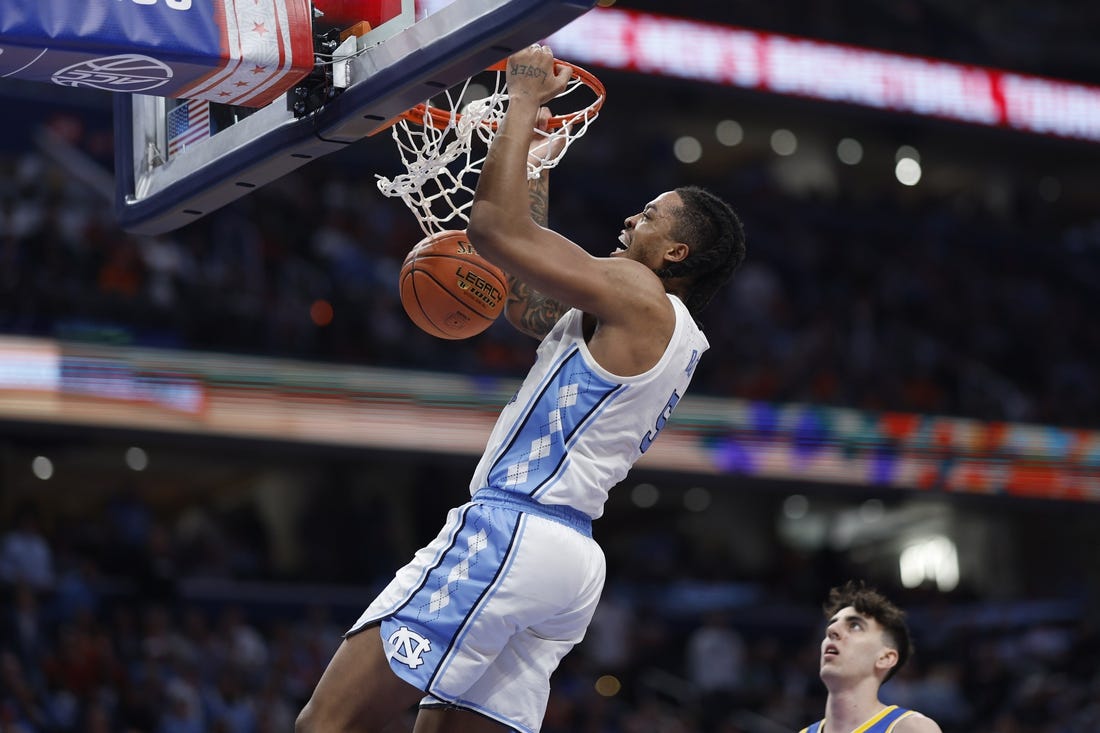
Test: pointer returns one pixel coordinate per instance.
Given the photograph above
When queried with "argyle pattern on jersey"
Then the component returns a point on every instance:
(540, 444)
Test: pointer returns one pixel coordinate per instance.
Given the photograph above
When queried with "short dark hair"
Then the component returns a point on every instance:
(716, 238)
(870, 603)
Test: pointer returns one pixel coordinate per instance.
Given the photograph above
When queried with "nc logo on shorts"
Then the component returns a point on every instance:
(407, 647)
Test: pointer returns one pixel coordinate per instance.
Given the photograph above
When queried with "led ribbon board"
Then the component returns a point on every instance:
(801, 67)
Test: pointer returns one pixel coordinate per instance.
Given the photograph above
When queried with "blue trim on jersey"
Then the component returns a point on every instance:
(544, 488)
(540, 395)
(887, 720)
(890, 715)
(523, 414)
(560, 513)
(498, 561)
(538, 449)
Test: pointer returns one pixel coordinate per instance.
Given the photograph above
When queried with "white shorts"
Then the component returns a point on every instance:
(482, 615)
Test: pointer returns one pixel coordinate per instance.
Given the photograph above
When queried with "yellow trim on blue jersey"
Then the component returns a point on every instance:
(819, 726)
(875, 718)
(901, 717)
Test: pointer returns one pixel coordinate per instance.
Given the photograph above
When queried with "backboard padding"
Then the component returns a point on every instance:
(410, 66)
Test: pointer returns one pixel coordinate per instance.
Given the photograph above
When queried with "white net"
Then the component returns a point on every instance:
(443, 145)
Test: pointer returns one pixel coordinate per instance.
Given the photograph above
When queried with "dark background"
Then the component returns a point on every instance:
(207, 590)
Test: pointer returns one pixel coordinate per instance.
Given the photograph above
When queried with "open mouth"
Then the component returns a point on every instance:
(624, 245)
(830, 651)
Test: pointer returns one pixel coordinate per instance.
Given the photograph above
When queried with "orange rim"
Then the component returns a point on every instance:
(421, 114)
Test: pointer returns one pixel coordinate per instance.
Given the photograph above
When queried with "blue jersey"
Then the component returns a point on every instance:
(881, 722)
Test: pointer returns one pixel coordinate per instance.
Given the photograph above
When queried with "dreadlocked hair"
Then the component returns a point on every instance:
(716, 238)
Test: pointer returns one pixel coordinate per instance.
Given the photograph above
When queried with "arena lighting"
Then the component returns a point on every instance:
(136, 458)
(42, 468)
(729, 133)
(645, 496)
(1050, 188)
(849, 151)
(933, 558)
(784, 142)
(697, 499)
(908, 172)
(720, 54)
(795, 506)
(687, 149)
(907, 151)
(872, 510)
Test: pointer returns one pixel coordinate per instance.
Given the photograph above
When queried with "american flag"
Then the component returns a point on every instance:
(187, 124)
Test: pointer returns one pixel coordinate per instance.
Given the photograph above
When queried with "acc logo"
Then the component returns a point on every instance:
(123, 73)
(408, 647)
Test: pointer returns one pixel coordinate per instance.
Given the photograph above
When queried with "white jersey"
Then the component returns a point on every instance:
(574, 429)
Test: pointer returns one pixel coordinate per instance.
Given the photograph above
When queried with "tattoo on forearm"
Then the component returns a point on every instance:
(533, 313)
(538, 192)
(525, 70)
(529, 310)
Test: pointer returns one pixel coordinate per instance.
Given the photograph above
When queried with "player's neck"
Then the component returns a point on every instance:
(848, 708)
(677, 286)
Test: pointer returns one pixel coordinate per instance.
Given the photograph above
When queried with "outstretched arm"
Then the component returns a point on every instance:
(528, 310)
(628, 314)
(614, 290)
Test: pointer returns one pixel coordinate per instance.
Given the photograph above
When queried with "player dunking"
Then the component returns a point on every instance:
(476, 623)
(866, 642)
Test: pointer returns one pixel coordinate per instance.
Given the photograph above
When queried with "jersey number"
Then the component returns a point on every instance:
(662, 418)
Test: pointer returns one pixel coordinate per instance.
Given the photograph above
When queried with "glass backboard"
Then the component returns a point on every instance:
(166, 178)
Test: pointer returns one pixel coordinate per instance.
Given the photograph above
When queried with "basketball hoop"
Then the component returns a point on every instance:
(436, 141)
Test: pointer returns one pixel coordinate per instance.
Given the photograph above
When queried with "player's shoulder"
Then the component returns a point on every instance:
(638, 274)
(917, 723)
(635, 288)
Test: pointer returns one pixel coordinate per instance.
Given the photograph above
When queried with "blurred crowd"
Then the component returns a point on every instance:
(973, 299)
(958, 304)
(109, 627)
(863, 299)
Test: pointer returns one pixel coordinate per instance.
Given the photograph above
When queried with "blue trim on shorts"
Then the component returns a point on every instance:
(419, 636)
(560, 513)
(502, 566)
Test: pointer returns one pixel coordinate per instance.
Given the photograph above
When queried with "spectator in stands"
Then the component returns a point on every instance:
(25, 556)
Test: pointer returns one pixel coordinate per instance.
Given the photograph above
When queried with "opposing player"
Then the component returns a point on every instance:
(476, 623)
(866, 642)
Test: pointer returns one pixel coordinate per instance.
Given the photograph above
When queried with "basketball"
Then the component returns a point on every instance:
(448, 289)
